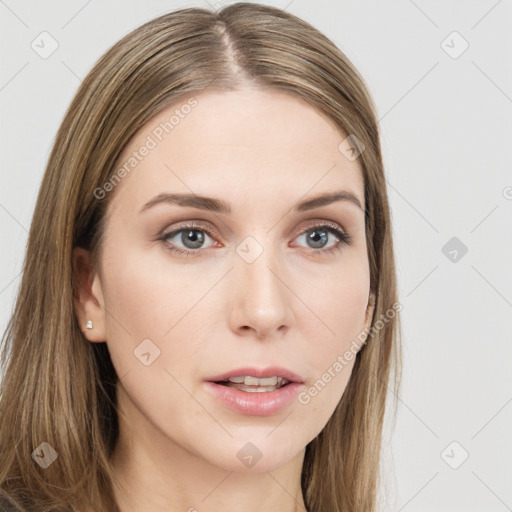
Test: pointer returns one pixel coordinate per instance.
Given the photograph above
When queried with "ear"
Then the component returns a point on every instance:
(88, 296)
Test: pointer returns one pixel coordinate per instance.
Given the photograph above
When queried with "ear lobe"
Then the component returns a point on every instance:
(88, 296)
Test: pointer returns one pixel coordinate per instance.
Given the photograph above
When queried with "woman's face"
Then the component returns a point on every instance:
(190, 291)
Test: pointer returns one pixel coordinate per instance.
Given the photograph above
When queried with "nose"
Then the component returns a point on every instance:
(261, 300)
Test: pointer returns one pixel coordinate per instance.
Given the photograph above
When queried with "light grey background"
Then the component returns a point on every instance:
(446, 122)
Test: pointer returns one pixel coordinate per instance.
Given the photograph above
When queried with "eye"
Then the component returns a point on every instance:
(192, 237)
(318, 237)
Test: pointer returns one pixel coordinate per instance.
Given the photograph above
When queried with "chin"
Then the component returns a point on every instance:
(256, 456)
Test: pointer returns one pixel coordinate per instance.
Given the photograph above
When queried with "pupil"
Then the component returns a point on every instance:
(314, 237)
(194, 236)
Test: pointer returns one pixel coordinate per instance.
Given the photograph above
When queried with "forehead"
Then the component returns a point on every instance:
(245, 143)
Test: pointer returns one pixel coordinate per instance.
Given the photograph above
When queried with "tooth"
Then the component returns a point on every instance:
(269, 381)
(253, 381)
(237, 380)
(260, 389)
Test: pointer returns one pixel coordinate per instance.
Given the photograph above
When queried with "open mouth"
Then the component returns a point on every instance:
(260, 387)
(250, 396)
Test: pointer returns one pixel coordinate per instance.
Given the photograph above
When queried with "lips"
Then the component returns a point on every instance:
(268, 403)
(260, 373)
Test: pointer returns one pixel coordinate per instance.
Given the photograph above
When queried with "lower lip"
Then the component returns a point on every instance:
(265, 403)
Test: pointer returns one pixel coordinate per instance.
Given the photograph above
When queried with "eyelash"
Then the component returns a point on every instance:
(344, 238)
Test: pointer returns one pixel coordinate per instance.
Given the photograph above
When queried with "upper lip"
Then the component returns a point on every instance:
(259, 373)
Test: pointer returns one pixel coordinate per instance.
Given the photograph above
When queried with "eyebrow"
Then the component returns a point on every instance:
(221, 206)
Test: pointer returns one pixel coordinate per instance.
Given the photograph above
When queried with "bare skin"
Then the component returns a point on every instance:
(296, 305)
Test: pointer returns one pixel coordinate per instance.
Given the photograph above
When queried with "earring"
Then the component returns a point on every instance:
(89, 324)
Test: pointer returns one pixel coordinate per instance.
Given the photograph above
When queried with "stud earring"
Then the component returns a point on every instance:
(89, 324)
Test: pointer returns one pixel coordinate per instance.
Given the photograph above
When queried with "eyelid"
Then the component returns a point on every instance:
(189, 224)
(323, 222)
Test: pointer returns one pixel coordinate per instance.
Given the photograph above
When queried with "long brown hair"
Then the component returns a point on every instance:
(57, 387)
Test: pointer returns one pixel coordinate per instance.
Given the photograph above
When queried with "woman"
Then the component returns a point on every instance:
(207, 317)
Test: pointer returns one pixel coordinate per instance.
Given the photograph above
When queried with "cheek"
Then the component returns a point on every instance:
(147, 298)
(143, 302)
(331, 331)
(143, 295)
(336, 304)
(148, 317)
